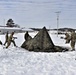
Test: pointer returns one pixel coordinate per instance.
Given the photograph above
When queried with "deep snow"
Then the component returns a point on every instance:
(18, 61)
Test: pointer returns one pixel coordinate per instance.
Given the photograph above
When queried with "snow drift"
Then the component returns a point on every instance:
(18, 61)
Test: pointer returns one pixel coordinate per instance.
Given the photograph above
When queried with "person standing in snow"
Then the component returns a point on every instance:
(10, 39)
(6, 38)
(73, 40)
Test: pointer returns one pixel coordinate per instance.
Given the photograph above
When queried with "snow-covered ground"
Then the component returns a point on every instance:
(18, 61)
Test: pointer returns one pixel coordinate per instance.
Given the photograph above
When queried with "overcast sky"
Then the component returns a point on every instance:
(39, 13)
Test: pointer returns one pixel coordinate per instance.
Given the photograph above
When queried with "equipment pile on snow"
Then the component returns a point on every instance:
(42, 42)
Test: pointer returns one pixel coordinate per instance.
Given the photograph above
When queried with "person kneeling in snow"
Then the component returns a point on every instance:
(10, 40)
(27, 36)
(71, 39)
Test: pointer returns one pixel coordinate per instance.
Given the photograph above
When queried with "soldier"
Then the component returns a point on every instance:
(67, 38)
(10, 40)
(6, 38)
(73, 40)
(27, 36)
